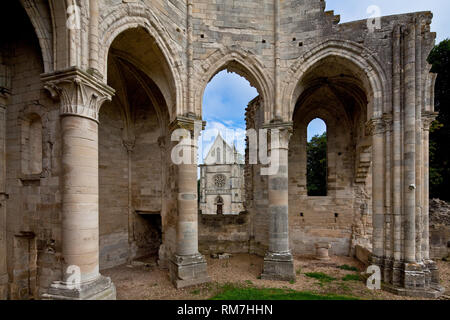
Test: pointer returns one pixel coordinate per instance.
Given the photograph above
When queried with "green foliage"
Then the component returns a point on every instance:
(317, 165)
(196, 292)
(440, 130)
(351, 277)
(322, 277)
(348, 268)
(235, 293)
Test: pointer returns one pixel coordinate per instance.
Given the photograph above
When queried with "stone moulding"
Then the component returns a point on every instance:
(80, 93)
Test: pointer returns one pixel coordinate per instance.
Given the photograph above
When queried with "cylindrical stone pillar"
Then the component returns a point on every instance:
(187, 267)
(397, 150)
(419, 155)
(187, 226)
(410, 147)
(278, 262)
(81, 96)
(80, 198)
(428, 119)
(278, 205)
(378, 190)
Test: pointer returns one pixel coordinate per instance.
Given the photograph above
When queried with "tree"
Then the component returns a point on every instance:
(439, 58)
(317, 165)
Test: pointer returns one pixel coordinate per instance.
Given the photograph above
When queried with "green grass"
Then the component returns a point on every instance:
(299, 271)
(231, 292)
(348, 268)
(322, 277)
(351, 277)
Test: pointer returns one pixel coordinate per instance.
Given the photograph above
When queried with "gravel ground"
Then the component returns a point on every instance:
(151, 283)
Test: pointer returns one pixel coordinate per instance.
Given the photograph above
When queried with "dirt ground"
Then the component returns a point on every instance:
(148, 282)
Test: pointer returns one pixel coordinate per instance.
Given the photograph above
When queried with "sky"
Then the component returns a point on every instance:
(224, 102)
(351, 10)
(228, 94)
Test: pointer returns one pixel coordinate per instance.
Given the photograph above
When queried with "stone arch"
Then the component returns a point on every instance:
(38, 12)
(136, 15)
(241, 62)
(357, 55)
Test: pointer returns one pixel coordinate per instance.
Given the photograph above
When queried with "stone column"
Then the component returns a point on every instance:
(4, 93)
(278, 262)
(81, 96)
(410, 147)
(187, 267)
(388, 263)
(427, 120)
(397, 157)
(377, 127)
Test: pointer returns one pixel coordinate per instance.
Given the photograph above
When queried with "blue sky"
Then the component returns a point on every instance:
(228, 94)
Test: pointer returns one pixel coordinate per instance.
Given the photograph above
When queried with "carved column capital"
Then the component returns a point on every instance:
(387, 118)
(80, 93)
(4, 96)
(375, 126)
(428, 118)
(190, 123)
(285, 130)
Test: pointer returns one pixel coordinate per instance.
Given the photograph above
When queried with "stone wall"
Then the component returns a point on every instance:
(224, 233)
(439, 229)
(159, 56)
(34, 200)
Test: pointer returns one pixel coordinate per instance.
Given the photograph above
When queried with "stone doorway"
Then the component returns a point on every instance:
(147, 236)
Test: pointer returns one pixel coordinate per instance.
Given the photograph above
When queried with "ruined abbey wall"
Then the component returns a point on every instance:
(86, 116)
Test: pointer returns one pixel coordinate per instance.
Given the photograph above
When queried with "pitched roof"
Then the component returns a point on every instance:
(222, 153)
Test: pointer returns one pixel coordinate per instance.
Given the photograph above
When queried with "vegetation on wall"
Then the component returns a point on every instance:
(440, 129)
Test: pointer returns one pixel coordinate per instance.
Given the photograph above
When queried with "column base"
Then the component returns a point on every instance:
(100, 289)
(278, 267)
(415, 281)
(187, 271)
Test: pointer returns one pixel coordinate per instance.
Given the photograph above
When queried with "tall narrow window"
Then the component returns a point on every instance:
(219, 159)
(317, 158)
(219, 202)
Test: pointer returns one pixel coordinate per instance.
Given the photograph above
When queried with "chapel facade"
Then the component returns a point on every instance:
(222, 180)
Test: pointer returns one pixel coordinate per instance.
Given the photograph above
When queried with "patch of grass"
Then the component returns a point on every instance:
(299, 271)
(348, 268)
(322, 277)
(231, 292)
(344, 287)
(352, 277)
(248, 282)
(292, 281)
(195, 292)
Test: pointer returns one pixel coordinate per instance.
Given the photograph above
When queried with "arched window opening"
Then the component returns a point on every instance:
(219, 160)
(317, 163)
(230, 105)
(219, 203)
(32, 145)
